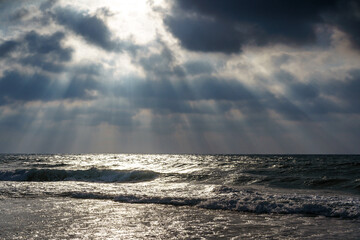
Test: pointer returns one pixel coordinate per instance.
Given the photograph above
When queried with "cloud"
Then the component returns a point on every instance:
(205, 35)
(347, 92)
(346, 17)
(48, 44)
(160, 97)
(226, 26)
(315, 99)
(7, 47)
(90, 27)
(296, 89)
(201, 88)
(20, 14)
(14, 86)
(45, 52)
(161, 65)
(18, 87)
(198, 67)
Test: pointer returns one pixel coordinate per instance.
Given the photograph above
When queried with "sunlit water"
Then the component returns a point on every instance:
(133, 196)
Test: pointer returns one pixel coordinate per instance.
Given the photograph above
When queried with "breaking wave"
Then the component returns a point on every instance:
(89, 175)
(251, 201)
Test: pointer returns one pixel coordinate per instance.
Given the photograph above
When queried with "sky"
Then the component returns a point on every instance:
(180, 76)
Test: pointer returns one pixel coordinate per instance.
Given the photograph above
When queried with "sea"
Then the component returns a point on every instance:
(165, 196)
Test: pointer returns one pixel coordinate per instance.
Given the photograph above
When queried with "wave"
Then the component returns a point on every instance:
(339, 183)
(89, 175)
(226, 198)
(43, 165)
(326, 182)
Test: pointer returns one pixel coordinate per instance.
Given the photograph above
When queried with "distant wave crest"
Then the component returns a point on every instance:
(89, 175)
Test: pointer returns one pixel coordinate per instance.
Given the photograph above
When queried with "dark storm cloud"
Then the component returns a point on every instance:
(45, 65)
(300, 99)
(18, 119)
(46, 51)
(317, 98)
(161, 65)
(90, 27)
(34, 43)
(95, 114)
(347, 18)
(182, 96)
(7, 47)
(296, 89)
(48, 44)
(24, 15)
(19, 14)
(347, 92)
(287, 109)
(205, 35)
(46, 60)
(48, 4)
(42, 51)
(225, 26)
(170, 88)
(80, 88)
(17, 87)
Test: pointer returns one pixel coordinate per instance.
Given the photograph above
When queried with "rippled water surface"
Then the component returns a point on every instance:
(122, 195)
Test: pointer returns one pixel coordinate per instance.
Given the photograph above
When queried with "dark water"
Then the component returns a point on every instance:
(292, 185)
(336, 172)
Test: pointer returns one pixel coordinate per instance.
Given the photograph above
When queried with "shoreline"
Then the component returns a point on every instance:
(68, 218)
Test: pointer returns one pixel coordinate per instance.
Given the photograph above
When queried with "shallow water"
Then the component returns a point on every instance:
(65, 218)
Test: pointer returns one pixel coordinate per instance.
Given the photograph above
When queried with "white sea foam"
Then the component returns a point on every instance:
(247, 200)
